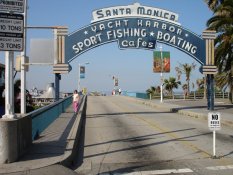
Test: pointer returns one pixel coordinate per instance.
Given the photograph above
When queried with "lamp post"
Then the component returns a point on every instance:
(161, 75)
(115, 83)
(79, 65)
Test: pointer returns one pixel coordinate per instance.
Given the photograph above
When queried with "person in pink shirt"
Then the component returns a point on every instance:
(75, 101)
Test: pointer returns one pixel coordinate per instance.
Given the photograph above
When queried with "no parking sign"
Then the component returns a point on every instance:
(214, 121)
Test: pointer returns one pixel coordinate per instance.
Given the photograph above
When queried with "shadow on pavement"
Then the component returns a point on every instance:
(139, 138)
(148, 145)
(124, 113)
(43, 148)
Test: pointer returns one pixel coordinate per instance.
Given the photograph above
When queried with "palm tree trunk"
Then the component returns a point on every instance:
(231, 84)
(231, 91)
(204, 87)
(188, 87)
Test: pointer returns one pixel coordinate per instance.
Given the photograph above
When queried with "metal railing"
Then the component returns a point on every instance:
(192, 95)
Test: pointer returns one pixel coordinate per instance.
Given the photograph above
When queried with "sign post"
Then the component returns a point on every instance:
(23, 61)
(9, 86)
(161, 65)
(11, 40)
(214, 124)
(209, 69)
(161, 76)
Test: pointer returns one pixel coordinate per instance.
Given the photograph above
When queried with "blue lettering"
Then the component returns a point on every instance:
(166, 15)
(108, 13)
(114, 12)
(141, 11)
(128, 11)
(100, 13)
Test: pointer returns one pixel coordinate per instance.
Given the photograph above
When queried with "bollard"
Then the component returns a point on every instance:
(15, 138)
(8, 141)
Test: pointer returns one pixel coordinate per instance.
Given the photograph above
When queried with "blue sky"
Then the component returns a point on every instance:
(132, 67)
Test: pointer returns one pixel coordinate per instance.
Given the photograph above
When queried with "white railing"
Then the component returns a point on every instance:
(193, 95)
(200, 95)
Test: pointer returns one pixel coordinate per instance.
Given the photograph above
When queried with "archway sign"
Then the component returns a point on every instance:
(141, 27)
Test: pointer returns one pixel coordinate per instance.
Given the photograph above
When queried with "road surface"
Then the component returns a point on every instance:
(121, 136)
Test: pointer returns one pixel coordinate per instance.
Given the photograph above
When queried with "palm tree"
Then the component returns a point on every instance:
(151, 91)
(185, 89)
(222, 22)
(224, 80)
(200, 83)
(213, 4)
(170, 84)
(185, 69)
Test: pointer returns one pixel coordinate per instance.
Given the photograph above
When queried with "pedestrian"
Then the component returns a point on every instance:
(119, 91)
(75, 101)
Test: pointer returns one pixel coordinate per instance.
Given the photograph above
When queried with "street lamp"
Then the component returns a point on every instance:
(115, 83)
(161, 75)
(79, 65)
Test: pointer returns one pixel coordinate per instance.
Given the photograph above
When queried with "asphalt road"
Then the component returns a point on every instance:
(124, 137)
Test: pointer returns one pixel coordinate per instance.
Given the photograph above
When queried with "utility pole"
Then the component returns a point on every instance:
(79, 77)
(161, 76)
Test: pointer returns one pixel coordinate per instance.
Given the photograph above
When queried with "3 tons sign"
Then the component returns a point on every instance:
(11, 32)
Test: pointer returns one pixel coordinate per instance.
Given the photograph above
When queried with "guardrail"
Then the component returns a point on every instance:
(43, 117)
(17, 134)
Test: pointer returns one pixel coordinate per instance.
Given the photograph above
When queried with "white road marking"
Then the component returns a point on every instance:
(156, 172)
(227, 167)
(172, 171)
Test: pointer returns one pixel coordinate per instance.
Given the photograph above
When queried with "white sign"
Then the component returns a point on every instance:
(134, 11)
(214, 121)
(16, 6)
(11, 32)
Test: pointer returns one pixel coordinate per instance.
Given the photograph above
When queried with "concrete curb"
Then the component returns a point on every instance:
(73, 138)
(178, 109)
